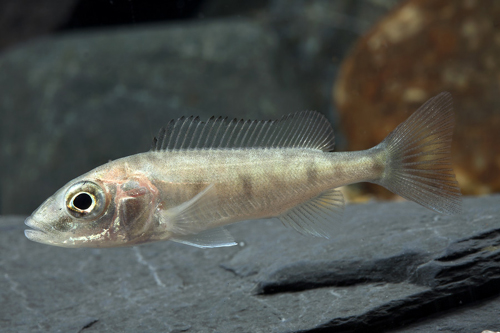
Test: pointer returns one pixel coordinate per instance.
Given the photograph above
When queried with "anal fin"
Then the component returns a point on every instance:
(316, 216)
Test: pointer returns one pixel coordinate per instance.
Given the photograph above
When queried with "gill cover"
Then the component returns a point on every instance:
(136, 205)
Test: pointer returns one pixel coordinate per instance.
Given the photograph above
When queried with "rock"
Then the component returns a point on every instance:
(72, 102)
(421, 48)
(318, 34)
(21, 20)
(98, 14)
(222, 8)
(390, 265)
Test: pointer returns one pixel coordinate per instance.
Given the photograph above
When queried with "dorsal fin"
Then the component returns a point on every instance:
(306, 129)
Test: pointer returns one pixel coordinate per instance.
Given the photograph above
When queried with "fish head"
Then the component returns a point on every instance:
(74, 216)
(94, 211)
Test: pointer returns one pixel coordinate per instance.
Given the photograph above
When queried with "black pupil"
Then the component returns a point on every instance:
(82, 201)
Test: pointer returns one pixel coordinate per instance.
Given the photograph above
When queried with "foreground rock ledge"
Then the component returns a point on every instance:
(390, 266)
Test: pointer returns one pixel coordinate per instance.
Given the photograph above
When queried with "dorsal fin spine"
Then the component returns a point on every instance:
(162, 136)
(242, 143)
(258, 134)
(289, 138)
(267, 132)
(240, 125)
(293, 139)
(304, 135)
(184, 123)
(210, 129)
(307, 130)
(197, 120)
(255, 135)
(276, 140)
(279, 134)
(317, 127)
(171, 134)
(203, 130)
(194, 123)
(262, 134)
(236, 123)
(178, 127)
(214, 140)
(320, 130)
(272, 136)
(225, 130)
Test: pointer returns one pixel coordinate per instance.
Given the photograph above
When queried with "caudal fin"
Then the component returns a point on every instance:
(418, 157)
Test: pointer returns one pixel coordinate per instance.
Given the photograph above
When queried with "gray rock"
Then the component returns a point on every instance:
(318, 34)
(390, 265)
(73, 102)
(21, 20)
(221, 8)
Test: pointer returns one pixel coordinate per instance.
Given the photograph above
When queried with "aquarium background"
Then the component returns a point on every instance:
(84, 82)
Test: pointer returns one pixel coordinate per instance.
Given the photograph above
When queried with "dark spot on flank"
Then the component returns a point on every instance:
(198, 186)
(277, 182)
(312, 174)
(379, 166)
(247, 186)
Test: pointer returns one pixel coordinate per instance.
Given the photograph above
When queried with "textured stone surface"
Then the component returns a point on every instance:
(481, 317)
(390, 265)
(21, 20)
(97, 13)
(72, 103)
(421, 48)
(220, 8)
(318, 34)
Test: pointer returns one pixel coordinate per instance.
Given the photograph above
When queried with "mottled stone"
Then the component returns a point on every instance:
(70, 103)
(221, 8)
(390, 265)
(318, 34)
(21, 20)
(421, 48)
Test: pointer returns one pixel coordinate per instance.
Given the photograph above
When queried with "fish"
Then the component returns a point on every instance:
(200, 176)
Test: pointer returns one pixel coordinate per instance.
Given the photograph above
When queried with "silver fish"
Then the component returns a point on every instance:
(200, 176)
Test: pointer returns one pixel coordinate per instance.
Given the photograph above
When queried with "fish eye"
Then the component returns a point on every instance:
(86, 199)
(82, 202)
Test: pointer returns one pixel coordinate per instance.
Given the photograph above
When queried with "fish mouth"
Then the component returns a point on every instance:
(35, 233)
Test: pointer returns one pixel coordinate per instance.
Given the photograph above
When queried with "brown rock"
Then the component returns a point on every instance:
(419, 49)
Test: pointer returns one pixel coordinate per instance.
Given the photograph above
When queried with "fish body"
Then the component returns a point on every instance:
(200, 176)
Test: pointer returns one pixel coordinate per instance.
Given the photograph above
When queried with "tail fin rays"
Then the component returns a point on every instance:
(419, 159)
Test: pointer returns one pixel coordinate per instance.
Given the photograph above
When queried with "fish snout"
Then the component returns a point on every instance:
(35, 234)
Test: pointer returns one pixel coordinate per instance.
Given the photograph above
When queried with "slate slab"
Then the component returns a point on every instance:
(390, 265)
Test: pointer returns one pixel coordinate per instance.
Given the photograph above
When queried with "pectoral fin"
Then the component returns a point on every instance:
(218, 237)
(186, 222)
(192, 216)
